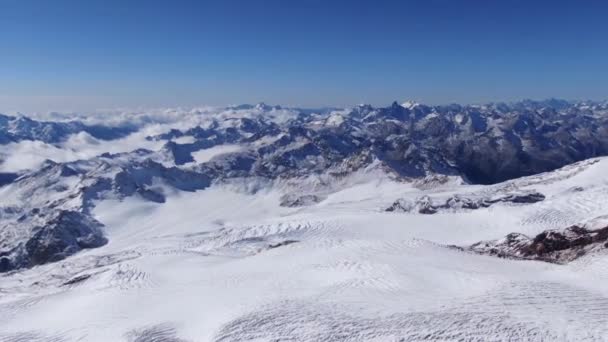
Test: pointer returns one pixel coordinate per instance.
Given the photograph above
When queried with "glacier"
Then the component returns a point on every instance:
(267, 223)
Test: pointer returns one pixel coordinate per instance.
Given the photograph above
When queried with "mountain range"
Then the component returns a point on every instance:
(377, 203)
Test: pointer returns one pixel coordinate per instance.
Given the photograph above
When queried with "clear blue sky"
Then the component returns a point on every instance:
(88, 54)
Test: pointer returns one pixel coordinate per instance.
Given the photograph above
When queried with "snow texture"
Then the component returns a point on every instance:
(263, 223)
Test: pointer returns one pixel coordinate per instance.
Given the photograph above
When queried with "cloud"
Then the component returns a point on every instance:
(26, 155)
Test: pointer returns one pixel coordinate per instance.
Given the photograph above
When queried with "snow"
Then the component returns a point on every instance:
(229, 263)
(267, 140)
(335, 119)
(206, 155)
(28, 155)
(199, 268)
(185, 140)
(410, 104)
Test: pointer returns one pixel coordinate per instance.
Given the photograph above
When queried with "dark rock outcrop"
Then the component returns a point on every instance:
(426, 205)
(7, 178)
(552, 246)
(299, 201)
(58, 236)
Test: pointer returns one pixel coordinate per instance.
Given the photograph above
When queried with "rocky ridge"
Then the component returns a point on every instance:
(45, 213)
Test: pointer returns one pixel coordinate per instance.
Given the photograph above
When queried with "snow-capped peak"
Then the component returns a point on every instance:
(410, 104)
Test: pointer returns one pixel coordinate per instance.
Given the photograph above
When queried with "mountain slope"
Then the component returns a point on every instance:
(237, 266)
(266, 223)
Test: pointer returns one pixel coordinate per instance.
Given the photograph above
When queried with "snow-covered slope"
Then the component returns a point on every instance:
(260, 223)
(222, 264)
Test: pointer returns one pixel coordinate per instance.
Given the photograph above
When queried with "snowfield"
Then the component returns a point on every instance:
(225, 265)
(261, 223)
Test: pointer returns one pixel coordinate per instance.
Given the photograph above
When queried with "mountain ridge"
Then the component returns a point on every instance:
(417, 143)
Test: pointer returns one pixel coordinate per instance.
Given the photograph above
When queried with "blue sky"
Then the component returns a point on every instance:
(85, 55)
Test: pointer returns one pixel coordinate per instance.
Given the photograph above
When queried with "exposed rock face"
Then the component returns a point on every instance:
(551, 245)
(57, 237)
(282, 243)
(139, 178)
(43, 231)
(63, 235)
(426, 205)
(299, 201)
(7, 178)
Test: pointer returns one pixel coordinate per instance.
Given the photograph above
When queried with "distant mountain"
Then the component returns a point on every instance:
(18, 128)
(484, 144)
(44, 215)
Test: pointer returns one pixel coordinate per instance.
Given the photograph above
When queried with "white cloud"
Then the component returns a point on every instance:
(150, 122)
(27, 154)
